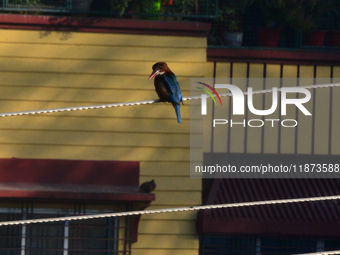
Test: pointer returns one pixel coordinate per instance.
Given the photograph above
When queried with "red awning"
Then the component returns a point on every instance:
(319, 218)
(71, 179)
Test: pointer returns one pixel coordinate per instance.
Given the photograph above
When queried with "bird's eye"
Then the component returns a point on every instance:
(160, 67)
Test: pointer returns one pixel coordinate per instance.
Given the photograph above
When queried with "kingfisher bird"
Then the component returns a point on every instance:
(167, 86)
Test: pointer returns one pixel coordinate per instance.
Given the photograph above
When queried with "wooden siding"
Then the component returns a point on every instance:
(42, 69)
(317, 134)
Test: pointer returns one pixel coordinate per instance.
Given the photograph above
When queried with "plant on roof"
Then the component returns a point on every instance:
(230, 13)
(296, 14)
(119, 6)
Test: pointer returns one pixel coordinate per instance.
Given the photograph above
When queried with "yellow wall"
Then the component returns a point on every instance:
(287, 135)
(40, 69)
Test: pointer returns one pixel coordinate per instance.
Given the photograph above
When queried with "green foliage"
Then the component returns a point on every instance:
(25, 2)
(119, 6)
(230, 12)
(184, 7)
(296, 14)
(271, 12)
(227, 15)
(144, 7)
(179, 7)
(149, 6)
(306, 15)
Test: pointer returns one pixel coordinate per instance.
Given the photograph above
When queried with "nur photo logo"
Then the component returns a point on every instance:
(238, 104)
(213, 90)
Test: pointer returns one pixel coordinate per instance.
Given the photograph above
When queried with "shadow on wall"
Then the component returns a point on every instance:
(49, 75)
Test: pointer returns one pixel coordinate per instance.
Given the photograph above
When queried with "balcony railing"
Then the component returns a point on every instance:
(275, 24)
(145, 9)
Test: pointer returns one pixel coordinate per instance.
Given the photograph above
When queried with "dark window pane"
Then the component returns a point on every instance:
(332, 244)
(85, 237)
(276, 245)
(94, 236)
(251, 245)
(228, 245)
(10, 236)
(45, 238)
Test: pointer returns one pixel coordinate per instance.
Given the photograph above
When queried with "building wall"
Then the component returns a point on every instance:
(44, 69)
(317, 134)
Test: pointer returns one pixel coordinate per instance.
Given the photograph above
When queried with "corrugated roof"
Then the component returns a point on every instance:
(247, 190)
(320, 218)
(272, 219)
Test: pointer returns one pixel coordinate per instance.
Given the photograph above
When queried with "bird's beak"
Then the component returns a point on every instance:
(154, 73)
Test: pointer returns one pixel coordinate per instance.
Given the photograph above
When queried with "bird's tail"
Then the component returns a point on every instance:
(178, 112)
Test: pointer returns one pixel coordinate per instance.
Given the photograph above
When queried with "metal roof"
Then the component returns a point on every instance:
(320, 218)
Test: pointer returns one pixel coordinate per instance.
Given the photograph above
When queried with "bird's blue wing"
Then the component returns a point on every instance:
(174, 88)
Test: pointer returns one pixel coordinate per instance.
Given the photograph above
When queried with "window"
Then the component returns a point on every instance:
(236, 245)
(261, 245)
(89, 237)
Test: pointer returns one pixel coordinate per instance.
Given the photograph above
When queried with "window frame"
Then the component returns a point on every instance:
(29, 211)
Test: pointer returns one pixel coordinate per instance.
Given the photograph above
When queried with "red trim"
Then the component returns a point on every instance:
(71, 180)
(273, 56)
(135, 223)
(93, 196)
(86, 172)
(104, 25)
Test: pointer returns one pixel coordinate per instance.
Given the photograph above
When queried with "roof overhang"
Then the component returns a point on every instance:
(210, 225)
(318, 218)
(71, 180)
(74, 180)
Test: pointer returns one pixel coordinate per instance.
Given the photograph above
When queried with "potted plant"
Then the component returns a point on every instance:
(272, 22)
(334, 38)
(232, 36)
(151, 7)
(119, 6)
(307, 16)
(334, 34)
(229, 21)
(177, 9)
